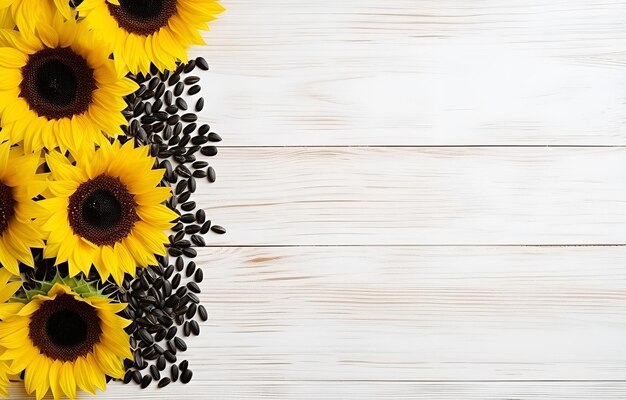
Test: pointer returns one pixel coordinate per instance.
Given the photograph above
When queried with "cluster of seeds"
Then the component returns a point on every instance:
(163, 299)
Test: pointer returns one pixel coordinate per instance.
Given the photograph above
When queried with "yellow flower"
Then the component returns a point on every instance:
(63, 341)
(58, 87)
(149, 31)
(107, 211)
(7, 289)
(19, 184)
(28, 14)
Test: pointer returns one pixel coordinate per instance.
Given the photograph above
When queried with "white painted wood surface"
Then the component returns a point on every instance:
(366, 258)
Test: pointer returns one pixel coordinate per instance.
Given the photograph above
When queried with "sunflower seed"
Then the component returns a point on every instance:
(199, 173)
(173, 120)
(209, 151)
(187, 218)
(218, 229)
(198, 240)
(203, 313)
(193, 286)
(145, 336)
(202, 64)
(171, 333)
(199, 275)
(186, 329)
(160, 335)
(193, 297)
(200, 164)
(176, 281)
(199, 140)
(174, 372)
(154, 372)
(174, 252)
(168, 272)
(189, 129)
(190, 66)
(159, 91)
(174, 79)
(190, 80)
(190, 252)
(169, 356)
(200, 104)
(195, 89)
(178, 90)
(200, 216)
(191, 311)
(182, 104)
(128, 376)
(191, 185)
(146, 381)
(177, 227)
(136, 375)
(168, 98)
(195, 328)
(164, 382)
(205, 227)
(186, 376)
(211, 174)
(188, 206)
(203, 130)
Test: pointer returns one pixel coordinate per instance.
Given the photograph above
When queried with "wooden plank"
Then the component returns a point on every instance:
(370, 390)
(418, 196)
(419, 72)
(412, 313)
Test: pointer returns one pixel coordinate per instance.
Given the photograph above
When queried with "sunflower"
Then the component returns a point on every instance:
(149, 31)
(28, 14)
(62, 340)
(19, 184)
(107, 211)
(58, 87)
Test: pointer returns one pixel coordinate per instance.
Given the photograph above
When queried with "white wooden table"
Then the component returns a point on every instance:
(424, 199)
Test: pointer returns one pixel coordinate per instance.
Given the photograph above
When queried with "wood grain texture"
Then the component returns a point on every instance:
(421, 72)
(371, 390)
(418, 196)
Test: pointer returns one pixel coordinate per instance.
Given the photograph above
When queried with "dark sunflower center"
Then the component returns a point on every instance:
(57, 83)
(143, 17)
(102, 210)
(7, 207)
(65, 328)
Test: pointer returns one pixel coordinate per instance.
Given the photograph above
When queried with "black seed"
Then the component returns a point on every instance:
(190, 80)
(211, 174)
(154, 372)
(199, 140)
(191, 268)
(193, 297)
(209, 151)
(198, 276)
(182, 104)
(195, 89)
(190, 66)
(174, 252)
(173, 79)
(136, 375)
(195, 328)
(158, 349)
(169, 356)
(203, 313)
(168, 271)
(181, 293)
(171, 110)
(183, 171)
(164, 382)
(145, 336)
(218, 229)
(171, 347)
(128, 376)
(171, 333)
(198, 240)
(200, 216)
(191, 185)
(180, 344)
(168, 98)
(200, 104)
(191, 311)
(167, 289)
(202, 64)
(147, 380)
(190, 252)
(192, 229)
(159, 91)
(178, 90)
(156, 106)
(204, 129)
(199, 174)
(200, 164)
(184, 365)
(161, 116)
(186, 330)
(160, 335)
(147, 95)
(193, 286)
(176, 281)
(214, 137)
(174, 372)
(205, 227)
(173, 120)
(186, 376)
(189, 129)
(187, 218)
(177, 227)
(183, 243)
(188, 206)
